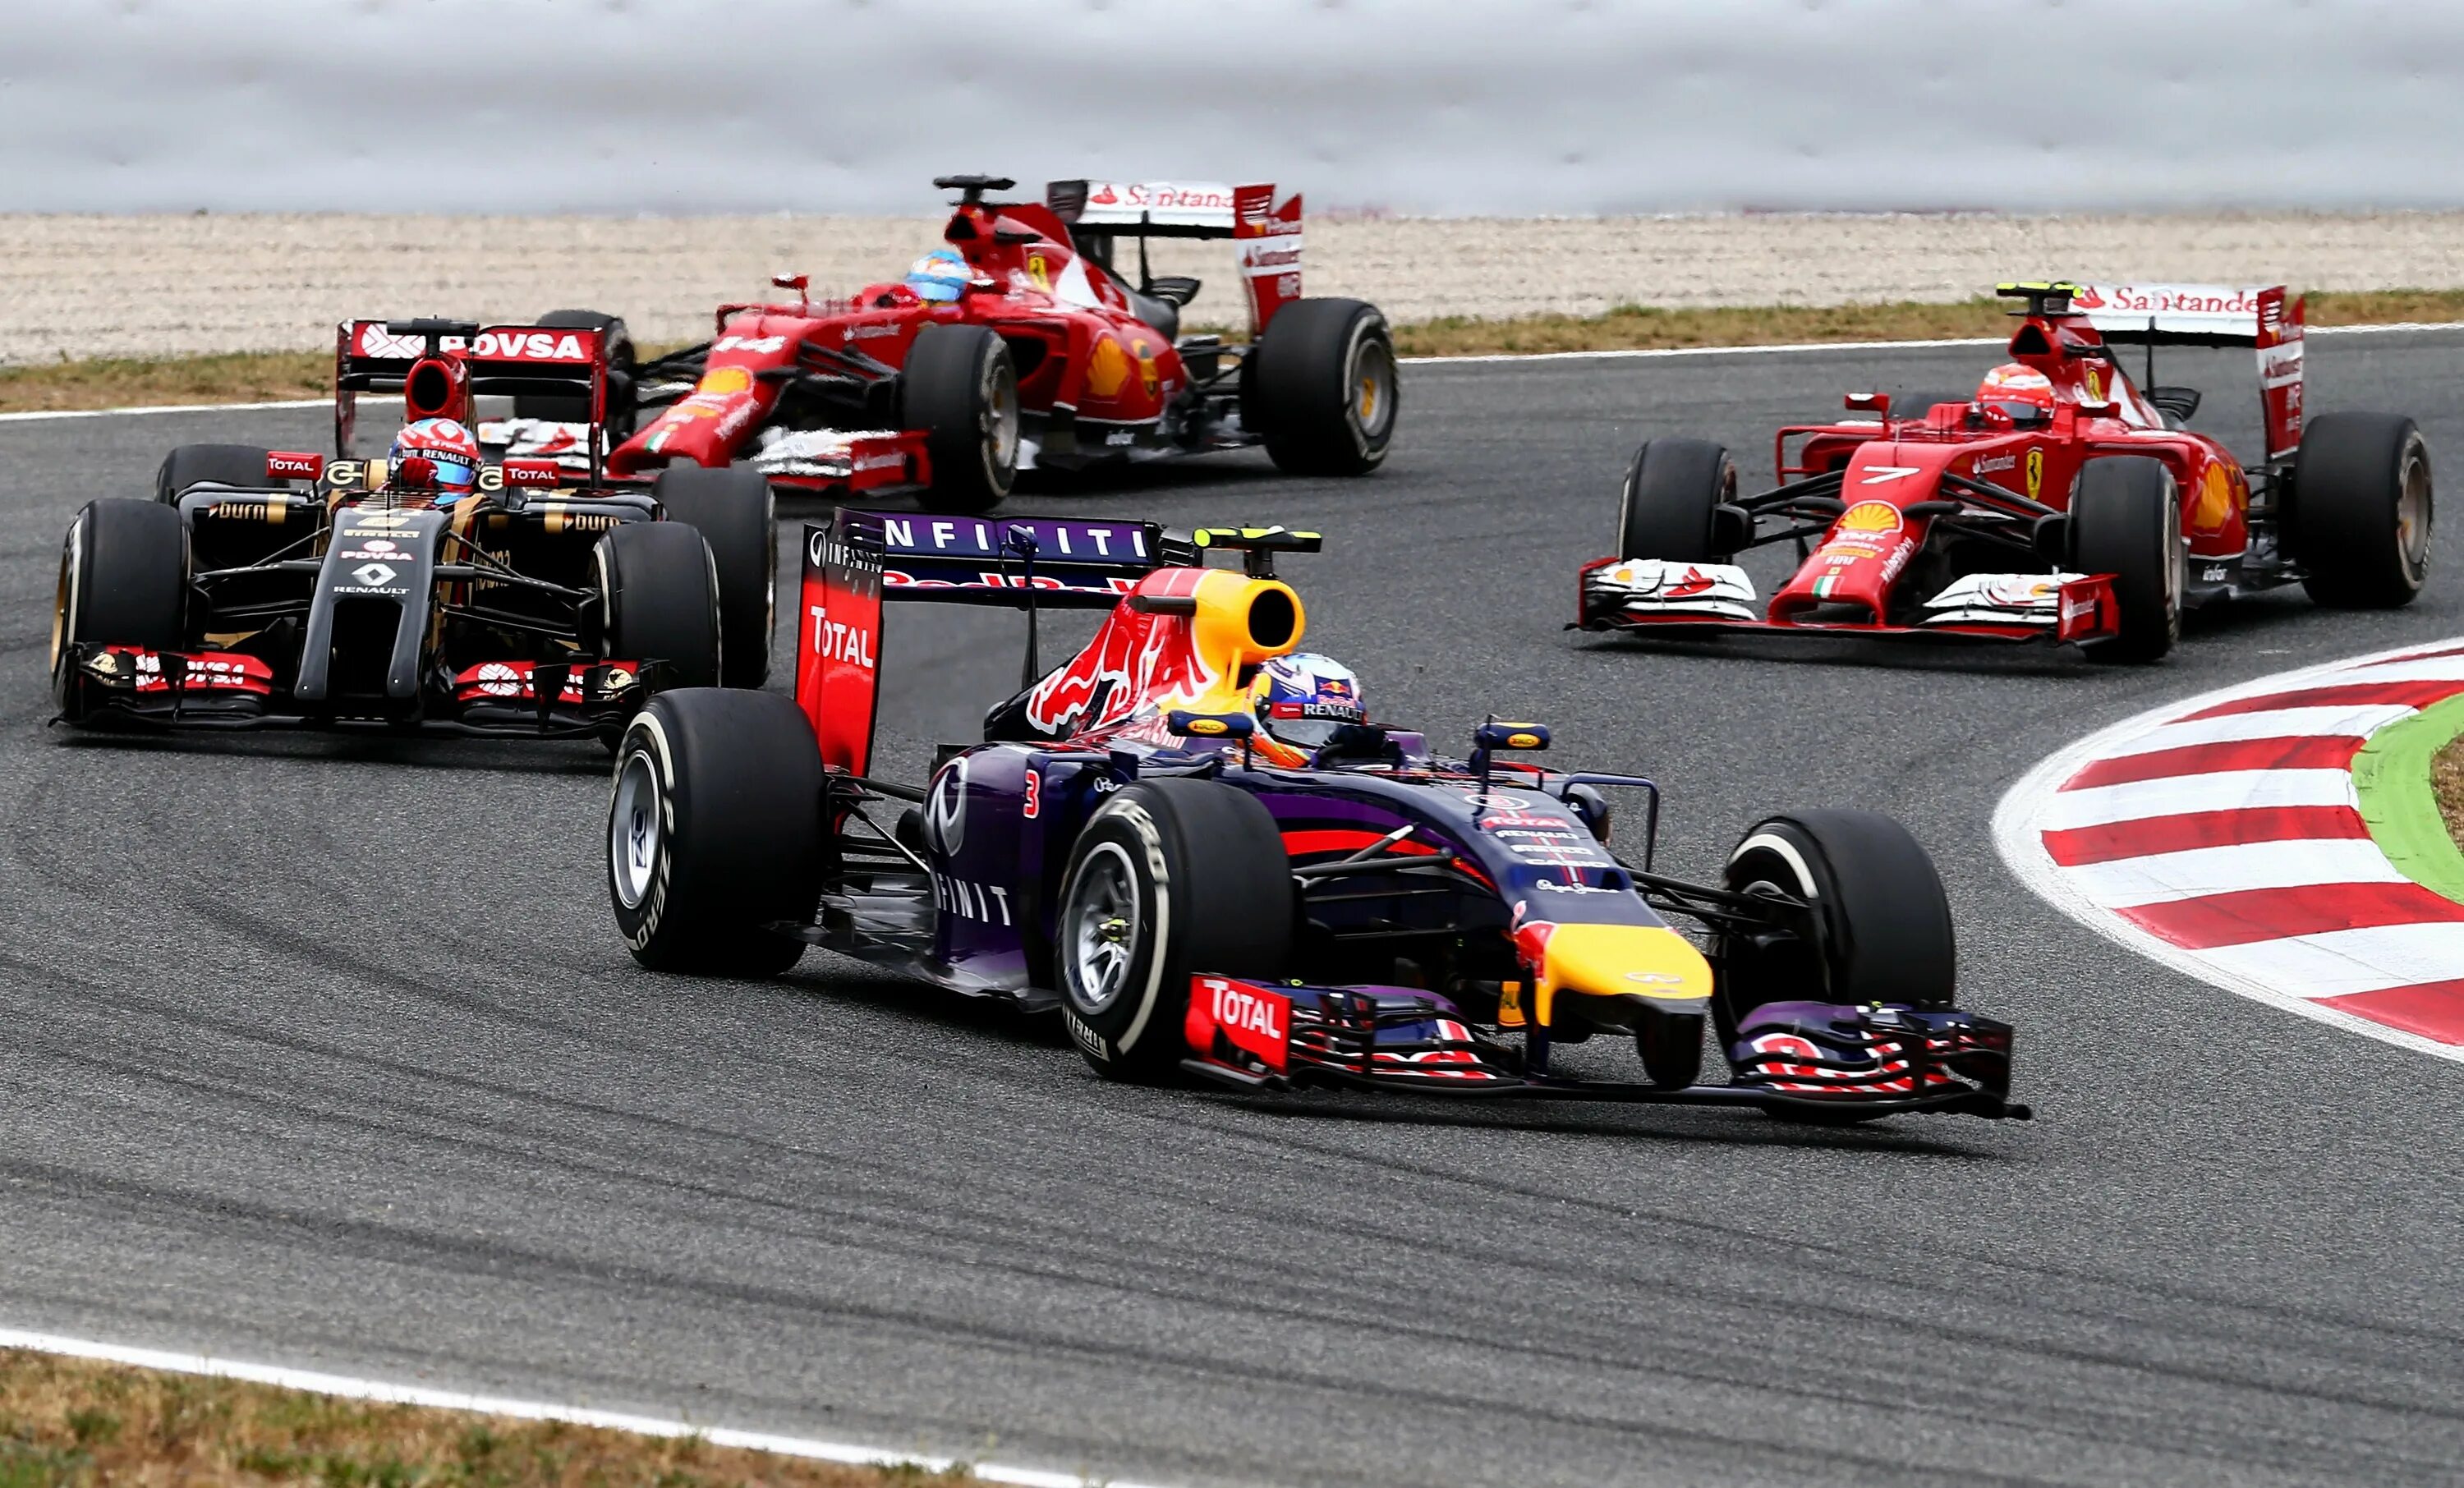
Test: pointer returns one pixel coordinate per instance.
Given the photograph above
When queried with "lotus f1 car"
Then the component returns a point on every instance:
(1196, 897)
(2093, 517)
(272, 589)
(1050, 358)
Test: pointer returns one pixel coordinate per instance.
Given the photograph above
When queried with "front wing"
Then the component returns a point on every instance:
(2084, 610)
(1805, 1058)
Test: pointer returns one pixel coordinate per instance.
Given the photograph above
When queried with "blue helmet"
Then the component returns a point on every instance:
(941, 275)
(1303, 698)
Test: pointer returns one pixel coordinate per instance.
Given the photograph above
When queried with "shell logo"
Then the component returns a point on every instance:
(2215, 500)
(1107, 369)
(1870, 516)
(723, 380)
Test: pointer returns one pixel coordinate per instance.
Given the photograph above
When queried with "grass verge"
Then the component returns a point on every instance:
(2447, 782)
(253, 377)
(70, 1423)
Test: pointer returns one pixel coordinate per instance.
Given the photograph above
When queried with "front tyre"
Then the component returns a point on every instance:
(1171, 879)
(1322, 388)
(1880, 928)
(2126, 521)
(1669, 506)
(2361, 509)
(715, 832)
(658, 601)
(124, 581)
(960, 388)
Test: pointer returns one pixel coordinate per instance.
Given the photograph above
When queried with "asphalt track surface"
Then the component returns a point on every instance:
(323, 1052)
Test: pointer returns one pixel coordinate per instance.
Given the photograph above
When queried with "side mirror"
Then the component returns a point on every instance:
(1492, 737)
(1184, 724)
(2104, 408)
(1876, 404)
(285, 465)
(791, 281)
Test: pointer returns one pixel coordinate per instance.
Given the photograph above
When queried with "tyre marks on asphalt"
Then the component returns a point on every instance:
(2225, 836)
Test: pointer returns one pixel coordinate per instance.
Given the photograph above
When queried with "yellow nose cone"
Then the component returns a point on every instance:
(1649, 963)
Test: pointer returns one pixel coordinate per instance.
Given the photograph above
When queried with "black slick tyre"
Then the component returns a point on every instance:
(715, 832)
(622, 360)
(2127, 521)
(658, 599)
(2360, 517)
(960, 388)
(1670, 502)
(1322, 390)
(734, 511)
(124, 581)
(1170, 879)
(1671, 1046)
(1883, 931)
(220, 465)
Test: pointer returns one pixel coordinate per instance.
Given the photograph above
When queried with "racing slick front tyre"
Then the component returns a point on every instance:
(2358, 521)
(124, 581)
(1669, 507)
(222, 465)
(2126, 521)
(732, 509)
(1320, 388)
(1881, 922)
(715, 832)
(621, 361)
(960, 388)
(1170, 879)
(658, 601)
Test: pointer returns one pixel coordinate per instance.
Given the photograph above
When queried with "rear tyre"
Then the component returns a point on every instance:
(621, 361)
(124, 581)
(960, 388)
(658, 597)
(1170, 879)
(1320, 388)
(1670, 503)
(1881, 923)
(2361, 509)
(732, 509)
(222, 465)
(2126, 521)
(715, 832)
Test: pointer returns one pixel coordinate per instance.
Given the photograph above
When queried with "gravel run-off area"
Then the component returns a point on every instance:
(80, 287)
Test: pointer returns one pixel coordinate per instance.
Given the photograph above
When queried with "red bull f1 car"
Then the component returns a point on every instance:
(283, 589)
(2063, 503)
(1047, 357)
(1199, 897)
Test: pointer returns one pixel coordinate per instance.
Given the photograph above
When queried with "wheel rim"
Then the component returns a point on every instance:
(2413, 516)
(62, 600)
(635, 830)
(1101, 927)
(1372, 391)
(1001, 420)
(2177, 567)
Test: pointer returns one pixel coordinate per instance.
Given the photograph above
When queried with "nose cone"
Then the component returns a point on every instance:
(1621, 968)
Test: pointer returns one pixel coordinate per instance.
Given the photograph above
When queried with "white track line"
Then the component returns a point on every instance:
(353, 1389)
(1418, 361)
(2030, 806)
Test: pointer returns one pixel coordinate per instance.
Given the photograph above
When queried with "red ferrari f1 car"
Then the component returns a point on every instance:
(1200, 889)
(1044, 356)
(2061, 503)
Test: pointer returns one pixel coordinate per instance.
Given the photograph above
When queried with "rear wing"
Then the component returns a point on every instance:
(861, 559)
(439, 366)
(1266, 225)
(2265, 318)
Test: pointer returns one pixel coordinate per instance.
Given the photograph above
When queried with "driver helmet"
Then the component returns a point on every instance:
(940, 277)
(2020, 391)
(1303, 698)
(446, 444)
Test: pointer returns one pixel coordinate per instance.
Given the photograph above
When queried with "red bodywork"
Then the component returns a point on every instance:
(1892, 479)
(1073, 330)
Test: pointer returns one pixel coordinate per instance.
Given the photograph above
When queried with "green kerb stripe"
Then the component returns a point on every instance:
(2391, 775)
